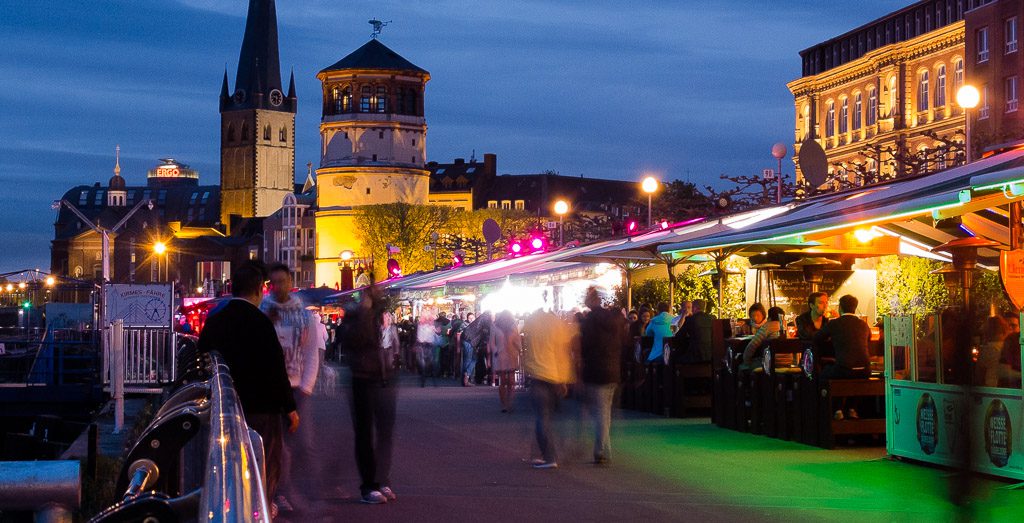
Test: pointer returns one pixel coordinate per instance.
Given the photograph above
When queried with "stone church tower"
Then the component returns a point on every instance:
(257, 159)
(373, 146)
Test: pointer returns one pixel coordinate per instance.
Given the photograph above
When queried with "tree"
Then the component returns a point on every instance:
(905, 286)
(679, 201)
(405, 226)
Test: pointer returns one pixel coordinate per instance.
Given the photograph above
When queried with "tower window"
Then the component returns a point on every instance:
(380, 135)
(367, 190)
(266, 133)
(231, 133)
(283, 135)
(400, 101)
(382, 99)
(412, 159)
(411, 101)
(346, 100)
(364, 99)
(414, 142)
(337, 100)
(245, 131)
(375, 157)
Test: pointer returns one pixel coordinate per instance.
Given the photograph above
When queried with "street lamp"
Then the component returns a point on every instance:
(650, 186)
(346, 282)
(160, 249)
(967, 97)
(561, 207)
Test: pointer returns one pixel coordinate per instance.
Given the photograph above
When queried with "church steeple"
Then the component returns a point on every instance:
(258, 82)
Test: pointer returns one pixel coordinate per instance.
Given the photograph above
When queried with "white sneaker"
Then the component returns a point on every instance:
(374, 497)
(388, 493)
(541, 464)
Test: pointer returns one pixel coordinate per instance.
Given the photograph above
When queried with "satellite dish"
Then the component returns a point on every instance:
(492, 232)
(813, 163)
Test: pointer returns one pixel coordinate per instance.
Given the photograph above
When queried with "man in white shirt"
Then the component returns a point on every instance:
(300, 337)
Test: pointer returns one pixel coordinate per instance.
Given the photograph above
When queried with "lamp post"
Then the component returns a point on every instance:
(779, 152)
(561, 207)
(650, 186)
(967, 97)
(346, 270)
(160, 249)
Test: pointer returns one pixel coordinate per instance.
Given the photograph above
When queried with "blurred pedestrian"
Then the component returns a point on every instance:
(426, 338)
(503, 350)
(548, 361)
(300, 338)
(467, 344)
(372, 343)
(248, 342)
(603, 336)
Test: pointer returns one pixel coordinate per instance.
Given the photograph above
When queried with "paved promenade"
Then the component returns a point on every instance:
(458, 458)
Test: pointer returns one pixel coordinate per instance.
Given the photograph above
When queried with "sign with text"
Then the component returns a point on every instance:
(1011, 272)
(139, 305)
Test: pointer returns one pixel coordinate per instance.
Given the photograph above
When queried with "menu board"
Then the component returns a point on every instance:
(791, 290)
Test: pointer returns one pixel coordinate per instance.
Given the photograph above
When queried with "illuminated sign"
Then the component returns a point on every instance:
(169, 168)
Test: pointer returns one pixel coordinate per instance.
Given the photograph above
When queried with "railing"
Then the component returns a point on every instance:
(198, 459)
(149, 357)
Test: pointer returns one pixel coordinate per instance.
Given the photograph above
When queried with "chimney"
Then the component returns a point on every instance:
(491, 164)
(460, 161)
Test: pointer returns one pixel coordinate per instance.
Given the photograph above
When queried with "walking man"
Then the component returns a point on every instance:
(603, 337)
(300, 338)
(245, 337)
(548, 361)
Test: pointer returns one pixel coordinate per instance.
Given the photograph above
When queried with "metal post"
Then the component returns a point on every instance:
(117, 372)
(778, 179)
(561, 240)
(967, 136)
(105, 244)
(648, 210)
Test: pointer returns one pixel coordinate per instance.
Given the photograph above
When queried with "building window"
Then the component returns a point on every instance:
(364, 99)
(83, 198)
(892, 97)
(245, 131)
(922, 91)
(266, 133)
(981, 39)
(1011, 35)
(380, 134)
(830, 120)
(520, 205)
(283, 135)
(375, 157)
(346, 100)
(506, 205)
(940, 87)
(984, 109)
(844, 116)
(872, 106)
(231, 133)
(805, 121)
(411, 101)
(382, 99)
(335, 95)
(492, 204)
(858, 109)
(1010, 85)
(958, 75)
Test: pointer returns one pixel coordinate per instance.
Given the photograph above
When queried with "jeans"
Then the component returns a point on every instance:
(599, 404)
(468, 360)
(373, 421)
(297, 451)
(271, 428)
(547, 398)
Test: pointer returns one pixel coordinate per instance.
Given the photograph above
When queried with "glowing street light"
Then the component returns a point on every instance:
(650, 186)
(159, 247)
(21, 285)
(346, 255)
(561, 208)
(968, 98)
(50, 281)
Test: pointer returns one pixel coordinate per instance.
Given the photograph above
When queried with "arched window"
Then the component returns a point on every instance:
(283, 135)
(958, 74)
(266, 132)
(805, 121)
(830, 119)
(245, 131)
(336, 96)
(410, 101)
(922, 91)
(346, 99)
(940, 86)
(231, 133)
(400, 101)
(858, 110)
(872, 106)
(364, 99)
(844, 116)
(892, 96)
(382, 99)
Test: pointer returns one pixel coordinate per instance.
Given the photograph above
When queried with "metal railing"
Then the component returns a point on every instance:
(198, 459)
(149, 356)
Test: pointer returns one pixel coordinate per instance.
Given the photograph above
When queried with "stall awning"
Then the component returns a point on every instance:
(973, 188)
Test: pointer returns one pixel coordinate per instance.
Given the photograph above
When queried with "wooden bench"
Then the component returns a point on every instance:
(872, 417)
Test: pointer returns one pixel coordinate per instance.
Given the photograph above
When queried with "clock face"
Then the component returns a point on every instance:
(276, 97)
(239, 96)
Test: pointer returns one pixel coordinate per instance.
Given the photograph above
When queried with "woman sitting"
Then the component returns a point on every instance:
(769, 330)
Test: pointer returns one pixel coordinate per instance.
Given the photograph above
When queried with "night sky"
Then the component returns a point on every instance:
(683, 89)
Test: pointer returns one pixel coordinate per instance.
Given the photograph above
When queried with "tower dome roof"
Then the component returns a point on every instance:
(116, 183)
(374, 55)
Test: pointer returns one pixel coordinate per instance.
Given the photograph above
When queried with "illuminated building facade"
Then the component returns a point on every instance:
(373, 149)
(995, 64)
(880, 100)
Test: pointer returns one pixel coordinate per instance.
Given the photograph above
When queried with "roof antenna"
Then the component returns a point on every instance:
(377, 26)
(472, 157)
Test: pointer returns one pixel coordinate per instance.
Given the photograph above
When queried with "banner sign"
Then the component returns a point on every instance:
(139, 305)
(1011, 272)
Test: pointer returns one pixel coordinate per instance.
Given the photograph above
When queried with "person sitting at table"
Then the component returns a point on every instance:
(697, 330)
(660, 327)
(757, 316)
(685, 311)
(813, 320)
(846, 339)
(986, 369)
(770, 330)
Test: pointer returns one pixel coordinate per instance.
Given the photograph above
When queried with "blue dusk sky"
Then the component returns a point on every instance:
(684, 89)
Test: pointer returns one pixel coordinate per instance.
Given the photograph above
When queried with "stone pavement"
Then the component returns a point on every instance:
(458, 458)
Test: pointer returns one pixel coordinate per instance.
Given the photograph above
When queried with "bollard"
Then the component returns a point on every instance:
(52, 489)
(117, 373)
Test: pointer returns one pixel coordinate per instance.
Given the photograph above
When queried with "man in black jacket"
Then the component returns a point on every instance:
(603, 336)
(246, 339)
(846, 338)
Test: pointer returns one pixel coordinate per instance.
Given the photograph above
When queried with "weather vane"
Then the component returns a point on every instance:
(377, 26)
